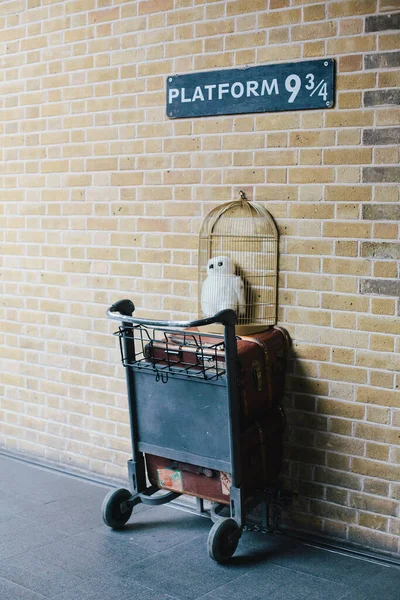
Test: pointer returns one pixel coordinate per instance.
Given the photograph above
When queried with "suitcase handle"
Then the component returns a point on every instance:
(192, 469)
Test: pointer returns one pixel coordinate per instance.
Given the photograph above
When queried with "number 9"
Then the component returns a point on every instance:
(293, 88)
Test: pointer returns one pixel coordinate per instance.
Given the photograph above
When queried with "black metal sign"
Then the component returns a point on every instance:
(266, 88)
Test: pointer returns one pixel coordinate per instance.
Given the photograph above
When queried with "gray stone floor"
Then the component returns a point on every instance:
(53, 544)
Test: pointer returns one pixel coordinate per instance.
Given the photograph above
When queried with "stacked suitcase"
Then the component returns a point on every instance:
(260, 378)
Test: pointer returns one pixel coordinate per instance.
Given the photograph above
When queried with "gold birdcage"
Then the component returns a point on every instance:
(238, 265)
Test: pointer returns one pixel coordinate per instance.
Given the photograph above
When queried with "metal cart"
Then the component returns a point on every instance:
(194, 418)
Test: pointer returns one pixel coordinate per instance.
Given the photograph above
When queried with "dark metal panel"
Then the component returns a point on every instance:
(183, 417)
(265, 88)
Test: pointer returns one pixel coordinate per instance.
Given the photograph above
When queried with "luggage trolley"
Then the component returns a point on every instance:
(194, 418)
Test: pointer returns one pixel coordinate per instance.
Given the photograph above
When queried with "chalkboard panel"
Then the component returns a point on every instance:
(265, 88)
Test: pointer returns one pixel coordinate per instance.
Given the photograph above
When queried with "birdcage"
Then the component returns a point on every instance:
(238, 264)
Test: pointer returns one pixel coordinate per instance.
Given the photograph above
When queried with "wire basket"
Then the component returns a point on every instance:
(177, 353)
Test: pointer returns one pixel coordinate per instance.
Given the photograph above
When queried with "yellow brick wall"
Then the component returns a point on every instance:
(102, 197)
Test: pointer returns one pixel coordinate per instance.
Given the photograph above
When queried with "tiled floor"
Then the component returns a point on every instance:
(53, 544)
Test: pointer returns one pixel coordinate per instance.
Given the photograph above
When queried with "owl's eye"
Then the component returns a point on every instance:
(220, 264)
(211, 266)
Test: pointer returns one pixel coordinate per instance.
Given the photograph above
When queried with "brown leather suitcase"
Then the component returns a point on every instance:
(261, 452)
(261, 368)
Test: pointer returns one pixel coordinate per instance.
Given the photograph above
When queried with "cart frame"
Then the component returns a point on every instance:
(225, 410)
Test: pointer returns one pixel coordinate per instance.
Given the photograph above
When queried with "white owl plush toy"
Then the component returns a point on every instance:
(222, 288)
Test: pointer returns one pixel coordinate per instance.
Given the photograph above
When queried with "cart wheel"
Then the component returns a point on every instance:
(117, 509)
(221, 546)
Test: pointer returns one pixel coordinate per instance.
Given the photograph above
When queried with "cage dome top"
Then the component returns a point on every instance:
(239, 218)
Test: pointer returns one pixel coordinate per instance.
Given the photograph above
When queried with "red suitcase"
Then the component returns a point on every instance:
(261, 451)
(261, 368)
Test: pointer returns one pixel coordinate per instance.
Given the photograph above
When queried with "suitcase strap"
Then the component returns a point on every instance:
(267, 361)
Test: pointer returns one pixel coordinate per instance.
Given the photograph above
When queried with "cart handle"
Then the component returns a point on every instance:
(123, 310)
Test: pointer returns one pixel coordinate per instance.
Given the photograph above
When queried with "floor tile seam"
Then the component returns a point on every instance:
(347, 594)
(311, 575)
(125, 582)
(24, 588)
(222, 585)
(33, 548)
(157, 552)
(69, 588)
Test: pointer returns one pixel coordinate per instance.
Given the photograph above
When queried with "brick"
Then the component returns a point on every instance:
(380, 397)
(314, 13)
(101, 16)
(375, 522)
(351, 26)
(312, 138)
(278, 36)
(378, 415)
(385, 269)
(278, 53)
(345, 302)
(349, 118)
(347, 45)
(382, 343)
(381, 136)
(381, 97)
(389, 79)
(244, 40)
(389, 42)
(238, 7)
(154, 6)
(381, 287)
(333, 477)
(267, 157)
(381, 212)
(311, 49)
(382, 22)
(311, 211)
(316, 175)
(315, 31)
(345, 193)
(382, 60)
(377, 360)
(378, 324)
(349, 8)
(353, 62)
(215, 27)
(339, 408)
(349, 100)
(376, 469)
(213, 61)
(277, 122)
(384, 250)
(343, 230)
(381, 174)
(345, 156)
(333, 511)
(278, 19)
(386, 155)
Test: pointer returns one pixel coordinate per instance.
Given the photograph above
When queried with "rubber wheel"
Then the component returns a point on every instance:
(115, 512)
(220, 547)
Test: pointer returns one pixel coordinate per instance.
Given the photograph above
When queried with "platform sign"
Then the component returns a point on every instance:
(266, 88)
